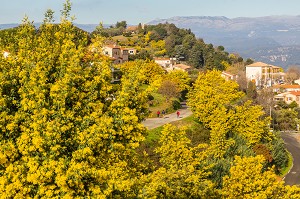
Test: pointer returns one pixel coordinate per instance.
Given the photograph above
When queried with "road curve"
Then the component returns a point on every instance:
(293, 146)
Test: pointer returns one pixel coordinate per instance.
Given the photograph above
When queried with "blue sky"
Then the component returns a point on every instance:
(135, 11)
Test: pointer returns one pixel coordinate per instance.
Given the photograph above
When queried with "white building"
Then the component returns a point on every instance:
(263, 74)
(164, 62)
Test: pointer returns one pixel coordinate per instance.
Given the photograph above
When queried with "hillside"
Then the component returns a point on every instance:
(273, 39)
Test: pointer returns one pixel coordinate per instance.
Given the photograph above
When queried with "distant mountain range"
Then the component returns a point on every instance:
(270, 39)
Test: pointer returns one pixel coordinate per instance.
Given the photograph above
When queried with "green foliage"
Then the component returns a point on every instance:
(168, 40)
(251, 90)
(100, 31)
(49, 16)
(65, 12)
(285, 119)
(121, 24)
(279, 154)
(176, 104)
(219, 170)
(169, 90)
(240, 147)
(196, 56)
(293, 105)
(249, 61)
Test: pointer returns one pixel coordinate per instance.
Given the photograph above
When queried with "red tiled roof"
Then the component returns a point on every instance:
(261, 64)
(131, 28)
(182, 66)
(286, 86)
(112, 46)
(228, 74)
(296, 93)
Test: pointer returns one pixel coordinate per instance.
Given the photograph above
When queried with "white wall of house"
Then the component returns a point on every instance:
(163, 62)
(297, 81)
(254, 74)
(289, 98)
(131, 51)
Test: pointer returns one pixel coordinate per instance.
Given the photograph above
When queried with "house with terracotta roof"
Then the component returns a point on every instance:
(116, 53)
(164, 61)
(288, 97)
(285, 88)
(264, 75)
(132, 29)
(229, 76)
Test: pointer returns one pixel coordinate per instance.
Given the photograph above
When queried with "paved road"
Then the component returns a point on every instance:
(293, 146)
(152, 123)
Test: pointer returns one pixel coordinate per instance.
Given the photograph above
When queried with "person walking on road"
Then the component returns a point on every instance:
(178, 114)
(163, 113)
(158, 113)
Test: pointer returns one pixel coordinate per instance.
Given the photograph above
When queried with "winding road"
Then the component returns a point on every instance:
(291, 140)
(292, 144)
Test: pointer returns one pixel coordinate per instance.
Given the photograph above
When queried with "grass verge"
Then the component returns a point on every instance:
(195, 131)
(286, 170)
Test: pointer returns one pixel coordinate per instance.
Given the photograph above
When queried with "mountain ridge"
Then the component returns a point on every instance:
(274, 39)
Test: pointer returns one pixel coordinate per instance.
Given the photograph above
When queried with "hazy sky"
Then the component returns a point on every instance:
(135, 11)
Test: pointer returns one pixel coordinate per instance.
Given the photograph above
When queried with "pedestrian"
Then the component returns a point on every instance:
(178, 114)
(163, 113)
(158, 113)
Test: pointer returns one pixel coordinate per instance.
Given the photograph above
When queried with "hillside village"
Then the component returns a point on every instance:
(178, 49)
(72, 106)
(272, 81)
(263, 75)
